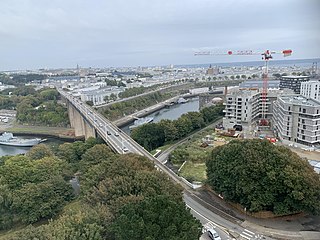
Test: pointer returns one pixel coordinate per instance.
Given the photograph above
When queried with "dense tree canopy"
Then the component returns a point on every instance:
(35, 188)
(154, 135)
(262, 176)
(171, 221)
(32, 189)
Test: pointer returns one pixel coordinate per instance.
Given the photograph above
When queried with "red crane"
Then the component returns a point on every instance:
(266, 56)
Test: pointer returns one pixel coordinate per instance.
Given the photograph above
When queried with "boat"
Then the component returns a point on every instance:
(141, 121)
(182, 100)
(9, 140)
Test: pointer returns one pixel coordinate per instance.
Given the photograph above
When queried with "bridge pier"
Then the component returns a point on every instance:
(81, 126)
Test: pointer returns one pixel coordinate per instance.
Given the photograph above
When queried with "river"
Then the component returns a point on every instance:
(11, 151)
(171, 113)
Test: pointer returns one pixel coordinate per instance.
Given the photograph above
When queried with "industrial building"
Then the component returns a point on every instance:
(297, 119)
(293, 82)
(311, 89)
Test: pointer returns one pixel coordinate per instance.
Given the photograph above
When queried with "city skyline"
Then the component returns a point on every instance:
(55, 34)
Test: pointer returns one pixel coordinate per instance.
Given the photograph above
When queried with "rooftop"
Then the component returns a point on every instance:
(295, 77)
(300, 100)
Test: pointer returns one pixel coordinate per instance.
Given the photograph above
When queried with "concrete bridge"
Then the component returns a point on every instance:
(89, 123)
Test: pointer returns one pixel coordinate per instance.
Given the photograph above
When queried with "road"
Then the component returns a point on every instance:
(140, 95)
(226, 225)
(122, 143)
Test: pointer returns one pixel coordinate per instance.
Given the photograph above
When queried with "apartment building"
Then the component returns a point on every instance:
(246, 106)
(293, 82)
(297, 119)
(311, 89)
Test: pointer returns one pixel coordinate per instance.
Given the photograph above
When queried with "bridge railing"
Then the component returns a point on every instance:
(91, 115)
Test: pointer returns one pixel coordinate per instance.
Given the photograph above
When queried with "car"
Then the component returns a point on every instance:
(109, 133)
(125, 149)
(116, 134)
(213, 234)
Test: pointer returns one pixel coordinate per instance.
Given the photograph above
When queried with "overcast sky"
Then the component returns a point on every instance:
(105, 33)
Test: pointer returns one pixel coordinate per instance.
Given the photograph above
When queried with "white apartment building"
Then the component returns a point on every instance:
(311, 89)
(98, 96)
(245, 106)
(297, 119)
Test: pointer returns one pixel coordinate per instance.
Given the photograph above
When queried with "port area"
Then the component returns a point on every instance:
(8, 124)
(145, 112)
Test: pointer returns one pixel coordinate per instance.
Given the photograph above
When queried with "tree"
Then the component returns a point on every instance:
(171, 221)
(39, 151)
(243, 76)
(43, 200)
(170, 131)
(184, 126)
(150, 136)
(49, 94)
(262, 176)
(113, 96)
(86, 223)
(94, 155)
(196, 119)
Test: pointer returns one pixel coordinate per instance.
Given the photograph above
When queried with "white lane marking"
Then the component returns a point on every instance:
(249, 231)
(245, 236)
(201, 215)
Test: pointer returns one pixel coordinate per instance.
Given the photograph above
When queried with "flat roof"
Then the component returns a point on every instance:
(294, 76)
(300, 100)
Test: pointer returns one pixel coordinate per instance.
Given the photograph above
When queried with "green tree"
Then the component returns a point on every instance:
(43, 200)
(170, 131)
(150, 136)
(262, 176)
(183, 125)
(49, 94)
(94, 155)
(171, 221)
(39, 151)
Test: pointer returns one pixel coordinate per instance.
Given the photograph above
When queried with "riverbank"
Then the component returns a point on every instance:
(43, 131)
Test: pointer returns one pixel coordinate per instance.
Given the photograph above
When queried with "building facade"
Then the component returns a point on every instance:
(246, 106)
(311, 89)
(293, 82)
(297, 119)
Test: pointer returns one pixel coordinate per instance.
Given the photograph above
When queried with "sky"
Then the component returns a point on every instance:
(113, 33)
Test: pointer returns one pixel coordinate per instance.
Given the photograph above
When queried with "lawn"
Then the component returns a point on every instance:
(194, 172)
(195, 168)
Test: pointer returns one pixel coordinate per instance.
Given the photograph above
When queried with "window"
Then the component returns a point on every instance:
(304, 110)
(303, 137)
(289, 108)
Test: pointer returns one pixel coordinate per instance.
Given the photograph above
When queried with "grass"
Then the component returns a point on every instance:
(195, 168)
(194, 171)
(162, 148)
(56, 131)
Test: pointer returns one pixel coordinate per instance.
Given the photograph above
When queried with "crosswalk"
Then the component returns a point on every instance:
(246, 234)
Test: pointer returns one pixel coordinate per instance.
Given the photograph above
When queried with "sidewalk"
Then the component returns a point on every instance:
(295, 228)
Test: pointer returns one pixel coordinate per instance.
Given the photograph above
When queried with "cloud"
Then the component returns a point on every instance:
(59, 33)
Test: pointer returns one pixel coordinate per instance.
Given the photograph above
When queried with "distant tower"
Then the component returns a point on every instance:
(314, 69)
(209, 70)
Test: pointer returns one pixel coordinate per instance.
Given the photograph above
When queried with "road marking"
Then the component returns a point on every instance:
(247, 234)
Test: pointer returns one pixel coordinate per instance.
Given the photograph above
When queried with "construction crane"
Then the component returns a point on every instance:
(266, 56)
